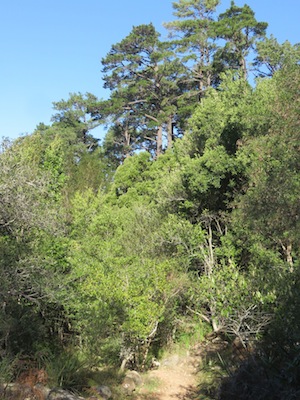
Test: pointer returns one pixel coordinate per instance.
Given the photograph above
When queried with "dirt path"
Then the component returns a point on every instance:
(175, 379)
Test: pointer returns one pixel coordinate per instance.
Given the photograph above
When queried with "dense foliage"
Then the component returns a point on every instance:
(189, 210)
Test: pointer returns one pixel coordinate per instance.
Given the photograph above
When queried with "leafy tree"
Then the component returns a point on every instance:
(265, 225)
(24, 191)
(70, 163)
(271, 200)
(31, 232)
(123, 291)
(210, 173)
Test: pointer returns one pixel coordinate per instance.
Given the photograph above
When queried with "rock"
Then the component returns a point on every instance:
(103, 391)
(41, 391)
(17, 391)
(154, 363)
(23, 391)
(128, 385)
(131, 381)
(61, 394)
(135, 376)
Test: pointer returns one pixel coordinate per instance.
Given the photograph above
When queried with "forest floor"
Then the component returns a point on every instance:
(175, 379)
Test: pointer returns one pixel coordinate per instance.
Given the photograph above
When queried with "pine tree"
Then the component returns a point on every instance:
(142, 77)
(240, 29)
(196, 43)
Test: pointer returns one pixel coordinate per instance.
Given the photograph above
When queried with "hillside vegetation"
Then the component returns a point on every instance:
(185, 218)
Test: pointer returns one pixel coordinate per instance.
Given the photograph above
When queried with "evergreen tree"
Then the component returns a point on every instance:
(76, 113)
(241, 31)
(196, 43)
(144, 84)
(273, 56)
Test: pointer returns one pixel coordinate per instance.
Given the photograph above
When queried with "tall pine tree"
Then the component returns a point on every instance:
(143, 79)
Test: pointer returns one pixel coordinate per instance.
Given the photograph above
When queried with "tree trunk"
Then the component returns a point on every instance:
(159, 141)
(127, 137)
(170, 132)
(287, 249)
(243, 66)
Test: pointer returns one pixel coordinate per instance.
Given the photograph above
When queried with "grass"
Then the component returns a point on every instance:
(151, 384)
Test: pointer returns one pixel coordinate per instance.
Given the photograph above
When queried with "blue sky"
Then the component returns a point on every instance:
(50, 48)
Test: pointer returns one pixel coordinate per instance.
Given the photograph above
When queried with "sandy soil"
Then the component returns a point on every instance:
(175, 379)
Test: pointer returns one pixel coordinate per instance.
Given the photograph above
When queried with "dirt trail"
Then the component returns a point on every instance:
(175, 379)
